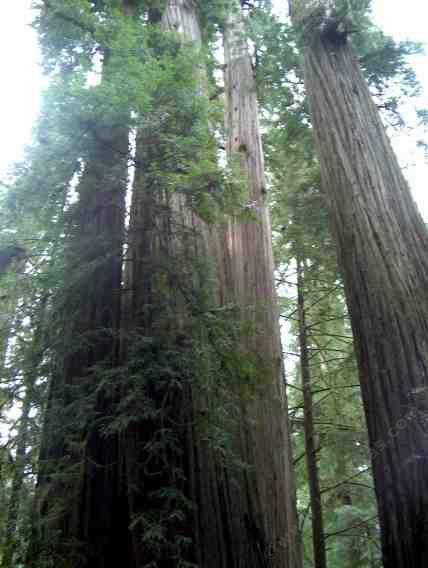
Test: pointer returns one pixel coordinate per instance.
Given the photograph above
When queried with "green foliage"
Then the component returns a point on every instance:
(112, 74)
(213, 16)
(348, 499)
(150, 82)
(423, 122)
(336, 19)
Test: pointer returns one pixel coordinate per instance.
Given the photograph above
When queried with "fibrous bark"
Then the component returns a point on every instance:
(82, 518)
(248, 280)
(238, 516)
(166, 239)
(147, 485)
(382, 245)
(87, 346)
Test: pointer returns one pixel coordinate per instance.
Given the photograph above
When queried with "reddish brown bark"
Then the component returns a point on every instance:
(248, 280)
(160, 491)
(382, 245)
(239, 516)
(82, 517)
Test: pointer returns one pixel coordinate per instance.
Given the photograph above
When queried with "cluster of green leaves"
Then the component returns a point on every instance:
(174, 391)
(315, 18)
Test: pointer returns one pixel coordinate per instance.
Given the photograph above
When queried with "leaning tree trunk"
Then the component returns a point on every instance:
(318, 538)
(382, 244)
(249, 281)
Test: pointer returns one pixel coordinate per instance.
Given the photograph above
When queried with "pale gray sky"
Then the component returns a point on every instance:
(408, 20)
(23, 82)
(21, 79)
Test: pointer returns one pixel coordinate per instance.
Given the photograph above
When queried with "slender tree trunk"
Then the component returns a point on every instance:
(320, 557)
(10, 543)
(382, 244)
(249, 281)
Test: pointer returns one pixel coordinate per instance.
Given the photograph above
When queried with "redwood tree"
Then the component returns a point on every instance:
(382, 243)
(166, 439)
(249, 281)
(182, 274)
(81, 508)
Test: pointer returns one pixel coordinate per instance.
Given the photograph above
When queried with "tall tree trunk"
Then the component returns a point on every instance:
(170, 253)
(249, 281)
(171, 250)
(166, 239)
(82, 507)
(320, 557)
(88, 347)
(382, 244)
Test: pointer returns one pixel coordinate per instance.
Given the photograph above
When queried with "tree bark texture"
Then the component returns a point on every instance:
(382, 244)
(89, 345)
(169, 247)
(166, 239)
(156, 491)
(82, 517)
(248, 280)
(318, 539)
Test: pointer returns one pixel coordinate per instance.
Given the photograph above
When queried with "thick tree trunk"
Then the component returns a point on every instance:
(82, 507)
(94, 515)
(249, 281)
(166, 239)
(320, 557)
(382, 246)
(171, 251)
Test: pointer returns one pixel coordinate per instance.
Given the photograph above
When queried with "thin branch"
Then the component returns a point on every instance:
(356, 525)
(344, 481)
(334, 388)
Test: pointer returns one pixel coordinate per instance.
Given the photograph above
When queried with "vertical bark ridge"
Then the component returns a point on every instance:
(82, 515)
(93, 509)
(249, 271)
(227, 523)
(382, 243)
(168, 242)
